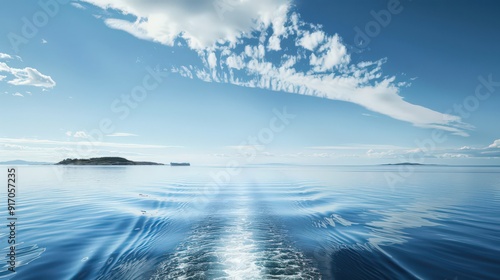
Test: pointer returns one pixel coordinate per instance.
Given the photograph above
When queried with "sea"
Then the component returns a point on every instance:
(253, 222)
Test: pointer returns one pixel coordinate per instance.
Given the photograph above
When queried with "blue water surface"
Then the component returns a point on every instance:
(257, 222)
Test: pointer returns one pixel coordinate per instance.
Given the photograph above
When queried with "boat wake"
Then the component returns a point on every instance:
(240, 246)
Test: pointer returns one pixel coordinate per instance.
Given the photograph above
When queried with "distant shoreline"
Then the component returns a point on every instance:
(412, 163)
(105, 161)
(125, 162)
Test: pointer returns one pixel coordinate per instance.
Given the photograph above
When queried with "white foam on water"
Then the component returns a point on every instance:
(239, 252)
(234, 243)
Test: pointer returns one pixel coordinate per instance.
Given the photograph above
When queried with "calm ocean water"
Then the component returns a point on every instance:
(268, 222)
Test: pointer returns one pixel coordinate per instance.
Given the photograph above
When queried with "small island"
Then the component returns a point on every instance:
(105, 161)
(180, 164)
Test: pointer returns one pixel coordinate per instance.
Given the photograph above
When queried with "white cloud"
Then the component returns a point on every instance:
(235, 62)
(18, 94)
(84, 135)
(279, 29)
(5, 56)
(404, 154)
(219, 35)
(310, 41)
(381, 96)
(2, 77)
(201, 23)
(491, 151)
(4, 67)
(496, 144)
(184, 71)
(332, 53)
(81, 134)
(274, 43)
(361, 84)
(256, 52)
(131, 28)
(27, 77)
(212, 60)
(450, 155)
(31, 77)
(44, 41)
(78, 5)
(121, 134)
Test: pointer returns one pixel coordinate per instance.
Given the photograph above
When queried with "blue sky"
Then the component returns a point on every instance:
(265, 81)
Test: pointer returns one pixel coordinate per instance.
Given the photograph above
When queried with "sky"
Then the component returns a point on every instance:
(251, 82)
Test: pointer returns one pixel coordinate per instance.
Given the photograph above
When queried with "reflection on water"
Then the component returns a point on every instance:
(159, 222)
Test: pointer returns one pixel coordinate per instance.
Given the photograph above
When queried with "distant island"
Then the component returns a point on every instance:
(105, 161)
(180, 164)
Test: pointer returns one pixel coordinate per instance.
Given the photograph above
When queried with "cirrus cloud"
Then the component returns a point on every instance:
(242, 45)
